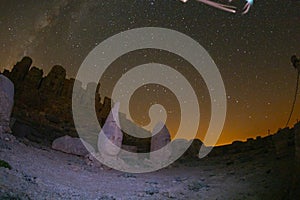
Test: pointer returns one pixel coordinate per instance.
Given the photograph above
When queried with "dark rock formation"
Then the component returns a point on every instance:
(43, 105)
(282, 140)
(53, 83)
(33, 78)
(296, 182)
(68, 88)
(193, 150)
(20, 71)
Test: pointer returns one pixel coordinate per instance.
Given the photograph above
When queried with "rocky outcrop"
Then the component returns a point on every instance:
(6, 103)
(20, 71)
(193, 150)
(33, 78)
(53, 83)
(43, 105)
(45, 102)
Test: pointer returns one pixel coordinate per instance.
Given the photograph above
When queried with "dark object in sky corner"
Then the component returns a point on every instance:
(296, 62)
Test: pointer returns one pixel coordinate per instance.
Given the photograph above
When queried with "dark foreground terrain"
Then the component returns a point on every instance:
(38, 172)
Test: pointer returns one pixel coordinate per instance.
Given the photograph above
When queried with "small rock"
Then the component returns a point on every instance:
(152, 182)
(180, 179)
(151, 191)
(106, 197)
(196, 186)
(7, 137)
(169, 194)
(128, 175)
(230, 163)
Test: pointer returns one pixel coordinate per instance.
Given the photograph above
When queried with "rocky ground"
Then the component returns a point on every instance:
(38, 172)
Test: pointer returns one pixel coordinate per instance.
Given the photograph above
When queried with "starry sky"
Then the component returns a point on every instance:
(252, 52)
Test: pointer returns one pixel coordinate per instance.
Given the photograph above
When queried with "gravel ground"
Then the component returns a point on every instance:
(38, 172)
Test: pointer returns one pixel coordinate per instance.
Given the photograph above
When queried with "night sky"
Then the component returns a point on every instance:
(252, 52)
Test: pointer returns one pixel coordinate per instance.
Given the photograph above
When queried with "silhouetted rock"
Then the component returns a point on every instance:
(193, 150)
(6, 73)
(28, 94)
(33, 78)
(68, 88)
(179, 147)
(45, 103)
(281, 142)
(6, 103)
(20, 71)
(53, 83)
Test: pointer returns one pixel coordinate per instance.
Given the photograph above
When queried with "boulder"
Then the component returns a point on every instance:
(6, 103)
(72, 145)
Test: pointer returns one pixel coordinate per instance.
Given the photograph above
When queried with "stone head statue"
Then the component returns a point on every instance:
(110, 137)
